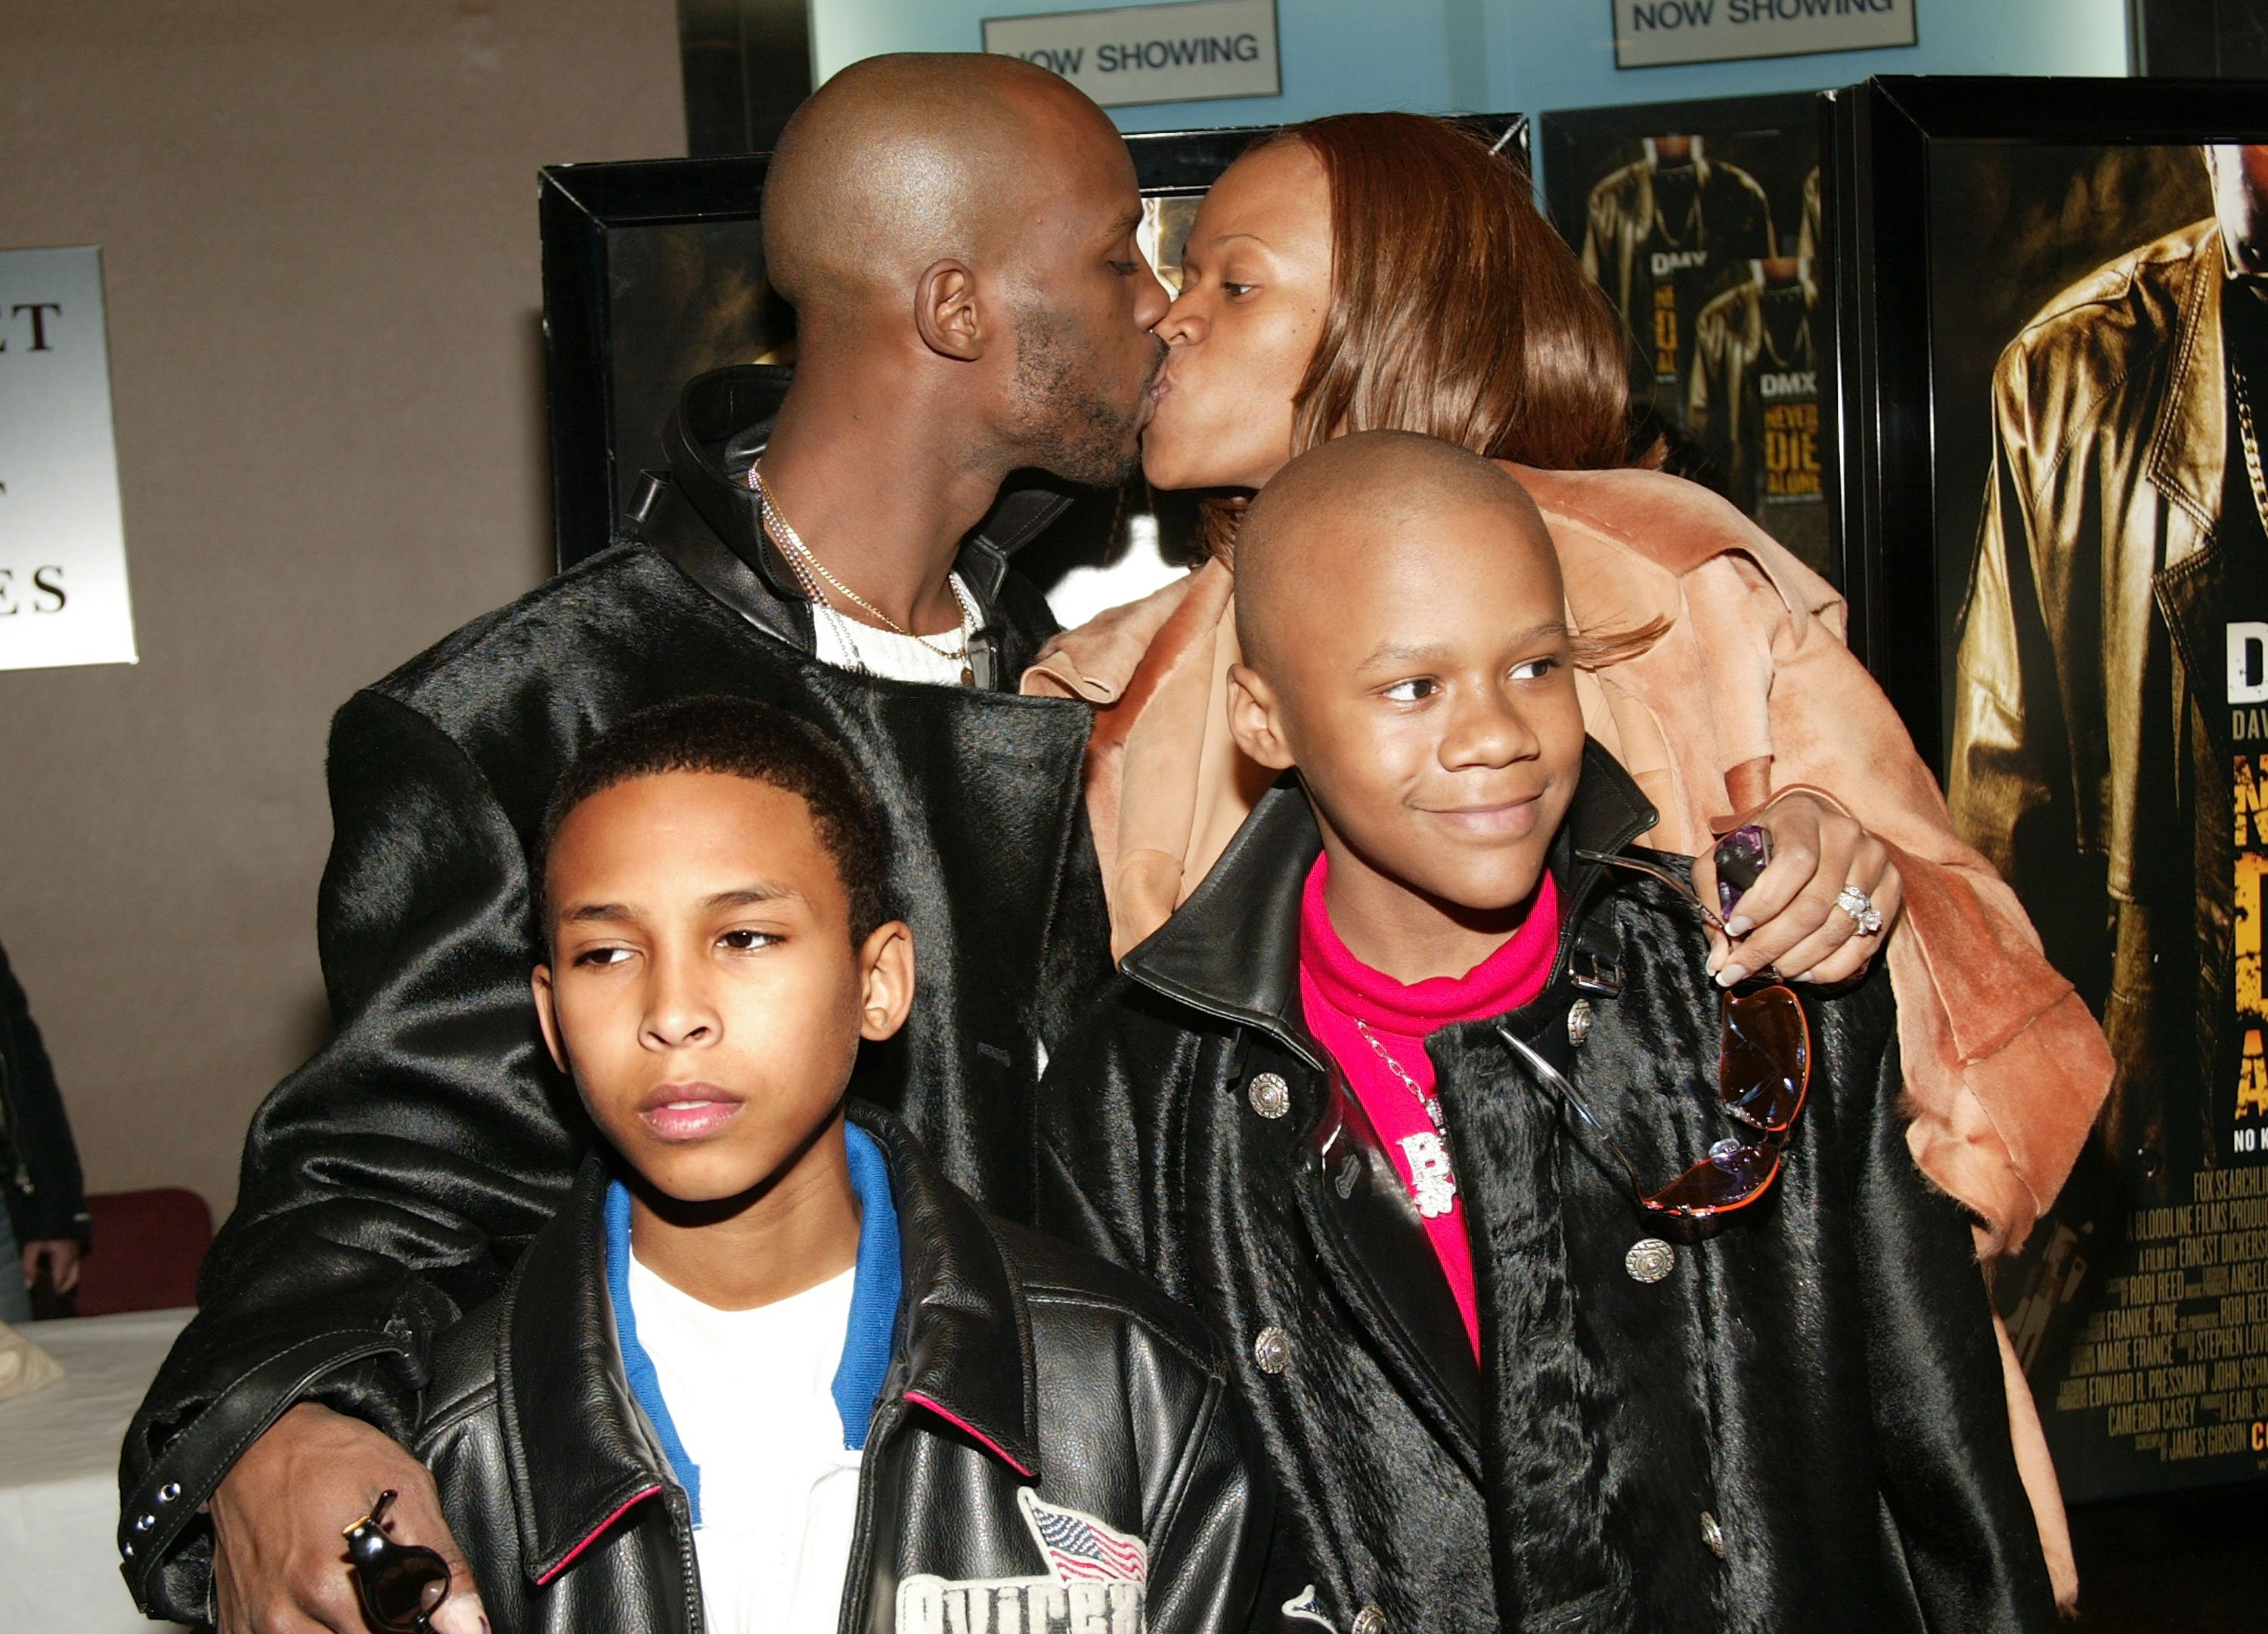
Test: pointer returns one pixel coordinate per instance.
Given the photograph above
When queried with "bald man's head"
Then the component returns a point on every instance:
(903, 160)
(1318, 526)
(958, 230)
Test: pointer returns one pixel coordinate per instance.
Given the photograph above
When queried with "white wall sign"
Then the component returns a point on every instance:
(1650, 33)
(63, 548)
(1192, 52)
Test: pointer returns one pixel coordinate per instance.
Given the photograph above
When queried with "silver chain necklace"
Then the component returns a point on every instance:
(804, 563)
(1432, 1181)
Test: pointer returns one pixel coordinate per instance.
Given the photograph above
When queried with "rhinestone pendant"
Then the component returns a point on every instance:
(1441, 1118)
(1433, 1183)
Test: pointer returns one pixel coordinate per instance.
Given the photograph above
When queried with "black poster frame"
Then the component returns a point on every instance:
(1906, 151)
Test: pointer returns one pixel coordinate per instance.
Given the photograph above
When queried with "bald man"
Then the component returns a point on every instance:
(957, 235)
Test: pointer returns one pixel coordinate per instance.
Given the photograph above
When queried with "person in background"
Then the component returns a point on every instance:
(44, 1228)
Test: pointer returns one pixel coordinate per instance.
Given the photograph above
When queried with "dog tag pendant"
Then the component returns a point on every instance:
(1433, 1184)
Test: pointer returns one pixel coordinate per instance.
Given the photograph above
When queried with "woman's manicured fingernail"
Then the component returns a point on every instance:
(1807, 976)
(1732, 975)
(1741, 924)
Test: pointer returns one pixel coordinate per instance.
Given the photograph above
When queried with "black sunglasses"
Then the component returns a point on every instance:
(400, 1585)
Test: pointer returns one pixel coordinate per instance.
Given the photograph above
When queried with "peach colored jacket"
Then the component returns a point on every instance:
(1751, 693)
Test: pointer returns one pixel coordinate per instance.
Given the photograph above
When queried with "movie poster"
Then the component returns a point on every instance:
(2099, 354)
(1701, 221)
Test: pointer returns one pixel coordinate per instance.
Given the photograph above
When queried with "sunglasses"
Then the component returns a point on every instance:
(400, 1585)
(1764, 1076)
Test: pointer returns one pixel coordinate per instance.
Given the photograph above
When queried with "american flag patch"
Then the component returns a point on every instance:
(1079, 1549)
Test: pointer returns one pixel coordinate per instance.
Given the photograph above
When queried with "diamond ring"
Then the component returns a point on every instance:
(1860, 907)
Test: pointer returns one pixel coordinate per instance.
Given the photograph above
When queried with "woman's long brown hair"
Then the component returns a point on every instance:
(1456, 310)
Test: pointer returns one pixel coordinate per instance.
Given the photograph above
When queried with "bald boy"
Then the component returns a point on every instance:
(1329, 517)
(956, 233)
(1567, 1289)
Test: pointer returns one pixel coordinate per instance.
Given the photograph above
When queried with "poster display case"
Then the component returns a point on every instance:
(2053, 334)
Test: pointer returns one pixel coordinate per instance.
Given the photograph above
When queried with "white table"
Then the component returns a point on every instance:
(59, 1475)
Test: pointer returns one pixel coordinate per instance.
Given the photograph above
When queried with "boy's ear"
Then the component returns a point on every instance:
(1254, 719)
(946, 312)
(547, 1015)
(886, 962)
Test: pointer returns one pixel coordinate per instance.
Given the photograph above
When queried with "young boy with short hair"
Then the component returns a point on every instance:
(769, 1369)
(1568, 1291)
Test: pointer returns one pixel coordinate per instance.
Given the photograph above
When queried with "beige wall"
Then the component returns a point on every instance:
(319, 236)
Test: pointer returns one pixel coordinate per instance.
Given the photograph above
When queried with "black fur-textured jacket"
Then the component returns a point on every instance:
(390, 1183)
(1799, 1427)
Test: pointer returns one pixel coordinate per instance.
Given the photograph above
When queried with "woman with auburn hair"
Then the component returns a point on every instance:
(1389, 271)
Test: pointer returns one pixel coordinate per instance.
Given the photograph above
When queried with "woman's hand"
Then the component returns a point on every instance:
(1789, 920)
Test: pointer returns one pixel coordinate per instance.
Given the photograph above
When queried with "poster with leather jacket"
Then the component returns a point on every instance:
(1702, 222)
(2075, 433)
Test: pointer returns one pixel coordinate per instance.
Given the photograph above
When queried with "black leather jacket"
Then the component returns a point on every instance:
(1801, 1426)
(39, 1162)
(389, 1183)
(1021, 1364)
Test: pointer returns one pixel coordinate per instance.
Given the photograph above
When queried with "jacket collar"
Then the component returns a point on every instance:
(2189, 444)
(718, 430)
(581, 1452)
(1232, 949)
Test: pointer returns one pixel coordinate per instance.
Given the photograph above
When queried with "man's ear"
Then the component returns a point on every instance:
(547, 1015)
(1253, 718)
(946, 312)
(886, 962)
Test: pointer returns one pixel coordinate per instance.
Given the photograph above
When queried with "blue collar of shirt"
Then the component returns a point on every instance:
(876, 1287)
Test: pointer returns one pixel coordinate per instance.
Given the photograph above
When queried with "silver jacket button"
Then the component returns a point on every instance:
(1649, 1260)
(1370, 1619)
(1712, 1535)
(1273, 1350)
(1272, 1096)
(1579, 1021)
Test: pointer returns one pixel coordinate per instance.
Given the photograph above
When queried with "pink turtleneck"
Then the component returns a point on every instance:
(1337, 989)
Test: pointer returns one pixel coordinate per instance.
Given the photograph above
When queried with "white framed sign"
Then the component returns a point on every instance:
(1197, 51)
(63, 545)
(1653, 34)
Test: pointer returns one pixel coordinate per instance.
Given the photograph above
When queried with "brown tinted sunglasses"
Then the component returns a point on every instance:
(1764, 1076)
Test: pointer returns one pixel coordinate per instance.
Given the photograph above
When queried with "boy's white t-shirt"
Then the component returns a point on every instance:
(751, 1393)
